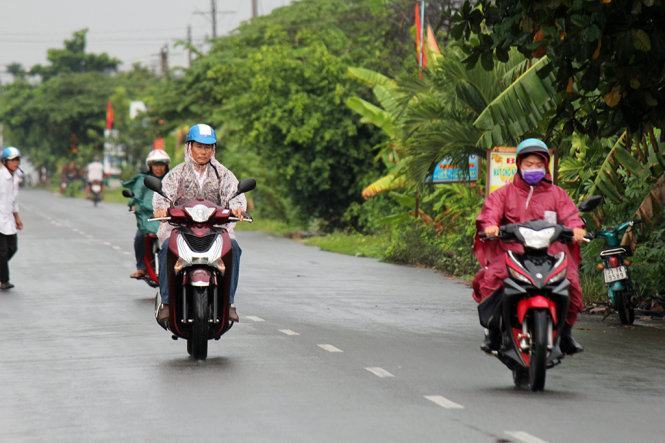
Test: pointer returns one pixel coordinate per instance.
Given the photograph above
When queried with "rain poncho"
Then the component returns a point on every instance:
(183, 184)
(517, 202)
(142, 203)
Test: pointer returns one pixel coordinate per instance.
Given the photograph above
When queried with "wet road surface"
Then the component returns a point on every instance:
(330, 348)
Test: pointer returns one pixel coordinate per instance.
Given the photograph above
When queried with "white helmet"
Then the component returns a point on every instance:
(157, 156)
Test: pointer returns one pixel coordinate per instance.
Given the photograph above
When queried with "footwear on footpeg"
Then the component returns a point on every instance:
(567, 343)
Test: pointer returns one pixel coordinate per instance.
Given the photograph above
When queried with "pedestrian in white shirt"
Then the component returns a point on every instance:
(10, 221)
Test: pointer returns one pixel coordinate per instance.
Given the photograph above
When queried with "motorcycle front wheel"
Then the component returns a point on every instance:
(201, 314)
(538, 353)
(623, 303)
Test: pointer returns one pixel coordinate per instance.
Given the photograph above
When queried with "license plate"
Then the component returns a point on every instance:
(615, 274)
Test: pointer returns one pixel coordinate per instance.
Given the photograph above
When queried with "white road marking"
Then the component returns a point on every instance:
(329, 348)
(379, 372)
(525, 437)
(106, 243)
(126, 253)
(117, 248)
(253, 318)
(443, 402)
(288, 332)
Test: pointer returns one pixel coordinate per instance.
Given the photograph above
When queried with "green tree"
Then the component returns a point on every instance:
(74, 59)
(607, 57)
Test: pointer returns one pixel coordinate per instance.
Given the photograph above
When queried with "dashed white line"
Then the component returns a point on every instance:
(253, 318)
(443, 402)
(329, 348)
(288, 332)
(126, 253)
(379, 372)
(105, 243)
(525, 437)
(117, 248)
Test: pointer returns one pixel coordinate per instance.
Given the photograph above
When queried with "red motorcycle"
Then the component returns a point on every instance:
(531, 309)
(199, 267)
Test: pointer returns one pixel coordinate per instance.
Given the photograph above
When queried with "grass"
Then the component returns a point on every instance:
(352, 244)
(275, 227)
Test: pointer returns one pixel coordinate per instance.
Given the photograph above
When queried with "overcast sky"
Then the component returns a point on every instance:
(131, 30)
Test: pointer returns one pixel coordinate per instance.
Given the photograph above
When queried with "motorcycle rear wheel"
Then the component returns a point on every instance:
(538, 354)
(201, 311)
(624, 306)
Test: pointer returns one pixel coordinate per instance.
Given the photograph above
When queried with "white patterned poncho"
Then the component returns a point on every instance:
(181, 185)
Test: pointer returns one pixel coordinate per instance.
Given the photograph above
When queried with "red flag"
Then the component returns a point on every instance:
(158, 143)
(109, 115)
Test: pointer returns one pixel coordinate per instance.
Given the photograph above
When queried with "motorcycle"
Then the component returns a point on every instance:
(614, 264)
(199, 269)
(96, 192)
(533, 304)
(151, 256)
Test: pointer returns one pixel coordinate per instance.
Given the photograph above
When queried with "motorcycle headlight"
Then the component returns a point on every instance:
(558, 277)
(517, 276)
(200, 213)
(537, 239)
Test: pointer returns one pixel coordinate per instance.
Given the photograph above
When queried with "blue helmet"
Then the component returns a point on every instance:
(202, 133)
(532, 146)
(10, 153)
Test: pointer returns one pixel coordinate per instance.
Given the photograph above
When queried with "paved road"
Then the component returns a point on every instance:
(331, 348)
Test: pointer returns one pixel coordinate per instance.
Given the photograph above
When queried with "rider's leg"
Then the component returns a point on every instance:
(139, 249)
(568, 344)
(237, 252)
(163, 273)
(139, 253)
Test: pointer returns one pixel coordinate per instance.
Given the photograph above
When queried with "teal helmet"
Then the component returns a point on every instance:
(202, 133)
(533, 146)
(10, 153)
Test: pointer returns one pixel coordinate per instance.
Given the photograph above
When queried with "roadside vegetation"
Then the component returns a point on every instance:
(324, 103)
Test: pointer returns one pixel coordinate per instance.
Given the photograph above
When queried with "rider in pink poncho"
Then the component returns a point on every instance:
(531, 195)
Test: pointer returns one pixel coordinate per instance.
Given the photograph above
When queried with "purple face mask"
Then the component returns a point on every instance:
(533, 176)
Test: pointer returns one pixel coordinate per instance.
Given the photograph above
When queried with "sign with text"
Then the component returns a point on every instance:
(502, 166)
(445, 172)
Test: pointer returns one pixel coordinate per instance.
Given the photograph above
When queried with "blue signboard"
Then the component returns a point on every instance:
(445, 172)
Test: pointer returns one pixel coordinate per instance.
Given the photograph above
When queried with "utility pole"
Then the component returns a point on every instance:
(189, 45)
(255, 8)
(164, 60)
(213, 15)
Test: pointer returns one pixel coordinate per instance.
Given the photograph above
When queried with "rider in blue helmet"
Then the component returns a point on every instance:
(199, 176)
(10, 220)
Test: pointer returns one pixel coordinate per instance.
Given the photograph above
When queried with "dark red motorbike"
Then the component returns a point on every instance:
(199, 267)
(531, 309)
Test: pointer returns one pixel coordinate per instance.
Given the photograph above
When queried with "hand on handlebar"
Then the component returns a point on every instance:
(238, 213)
(579, 235)
(491, 231)
(160, 212)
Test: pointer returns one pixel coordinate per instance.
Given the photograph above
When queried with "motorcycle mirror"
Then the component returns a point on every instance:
(590, 203)
(127, 193)
(245, 185)
(154, 184)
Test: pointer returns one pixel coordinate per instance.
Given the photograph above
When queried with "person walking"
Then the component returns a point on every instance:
(10, 220)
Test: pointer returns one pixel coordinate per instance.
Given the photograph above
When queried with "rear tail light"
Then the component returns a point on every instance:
(600, 266)
(613, 261)
(627, 262)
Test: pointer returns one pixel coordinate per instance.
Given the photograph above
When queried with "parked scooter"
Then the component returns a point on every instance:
(620, 289)
(151, 256)
(531, 309)
(199, 269)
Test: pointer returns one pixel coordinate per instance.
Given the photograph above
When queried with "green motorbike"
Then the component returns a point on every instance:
(620, 288)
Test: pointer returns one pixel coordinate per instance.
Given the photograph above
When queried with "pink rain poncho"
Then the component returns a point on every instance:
(517, 202)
